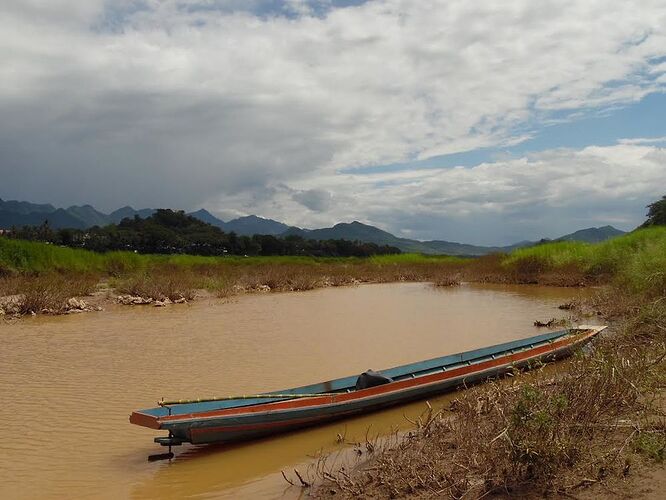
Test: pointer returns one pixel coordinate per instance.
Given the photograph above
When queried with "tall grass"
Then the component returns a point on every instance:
(636, 260)
(176, 285)
(18, 256)
(43, 293)
(36, 257)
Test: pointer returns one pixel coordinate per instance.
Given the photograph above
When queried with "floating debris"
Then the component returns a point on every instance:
(553, 322)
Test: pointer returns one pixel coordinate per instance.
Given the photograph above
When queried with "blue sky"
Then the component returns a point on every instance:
(479, 122)
(116, 15)
(606, 127)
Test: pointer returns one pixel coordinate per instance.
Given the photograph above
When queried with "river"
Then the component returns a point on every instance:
(68, 383)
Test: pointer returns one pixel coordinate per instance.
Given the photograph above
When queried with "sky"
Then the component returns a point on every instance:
(481, 122)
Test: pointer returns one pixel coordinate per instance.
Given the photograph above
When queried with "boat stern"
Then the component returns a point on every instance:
(145, 420)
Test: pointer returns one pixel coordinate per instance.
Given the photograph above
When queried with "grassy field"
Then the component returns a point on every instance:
(18, 256)
(33, 266)
(635, 261)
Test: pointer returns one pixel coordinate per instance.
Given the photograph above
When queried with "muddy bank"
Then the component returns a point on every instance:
(167, 284)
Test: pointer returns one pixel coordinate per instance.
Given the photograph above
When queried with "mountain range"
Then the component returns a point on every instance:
(23, 213)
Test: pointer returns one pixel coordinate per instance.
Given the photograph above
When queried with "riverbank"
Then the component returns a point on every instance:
(43, 278)
(596, 428)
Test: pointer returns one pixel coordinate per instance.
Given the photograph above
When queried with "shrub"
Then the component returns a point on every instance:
(160, 284)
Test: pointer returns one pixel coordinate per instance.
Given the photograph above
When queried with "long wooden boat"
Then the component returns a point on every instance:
(238, 418)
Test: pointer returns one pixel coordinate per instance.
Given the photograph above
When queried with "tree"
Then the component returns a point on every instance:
(656, 215)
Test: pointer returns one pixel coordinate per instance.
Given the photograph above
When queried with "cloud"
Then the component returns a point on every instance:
(317, 200)
(545, 194)
(643, 140)
(191, 103)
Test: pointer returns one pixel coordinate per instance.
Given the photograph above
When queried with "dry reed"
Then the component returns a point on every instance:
(160, 284)
(534, 434)
(46, 293)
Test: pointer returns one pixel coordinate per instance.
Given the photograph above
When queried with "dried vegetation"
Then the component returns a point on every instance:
(50, 293)
(599, 418)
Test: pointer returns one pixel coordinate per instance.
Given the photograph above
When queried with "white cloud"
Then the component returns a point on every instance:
(201, 102)
(643, 140)
(546, 194)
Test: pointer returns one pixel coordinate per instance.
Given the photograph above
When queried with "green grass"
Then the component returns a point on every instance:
(31, 257)
(636, 260)
(612, 254)
(652, 445)
(34, 257)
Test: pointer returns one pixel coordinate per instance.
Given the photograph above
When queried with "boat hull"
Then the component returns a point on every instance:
(254, 427)
(251, 422)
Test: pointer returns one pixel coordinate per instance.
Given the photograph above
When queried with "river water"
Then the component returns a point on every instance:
(68, 383)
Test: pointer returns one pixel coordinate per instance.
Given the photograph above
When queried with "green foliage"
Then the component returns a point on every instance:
(537, 410)
(636, 260)
(651, 444)
(36, 257)
(656, 213)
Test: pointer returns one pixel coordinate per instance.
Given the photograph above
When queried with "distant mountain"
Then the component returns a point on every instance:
(244, 226)
(205, 216)
(23, 213)
(128, 212)
(452, 248)
(348, 231)
(24, 207)
(57, 219)
(247, 226)
(364, 232)
(89, 216)
(592, 234)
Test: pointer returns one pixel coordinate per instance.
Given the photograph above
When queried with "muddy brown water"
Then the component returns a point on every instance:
(69, 383)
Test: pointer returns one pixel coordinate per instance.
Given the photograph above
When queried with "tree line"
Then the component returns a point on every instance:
(174, 232)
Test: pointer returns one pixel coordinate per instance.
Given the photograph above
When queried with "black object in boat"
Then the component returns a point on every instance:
(371, 379)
